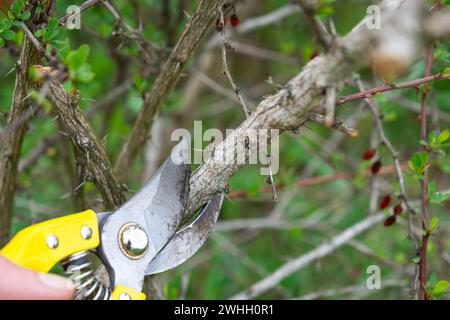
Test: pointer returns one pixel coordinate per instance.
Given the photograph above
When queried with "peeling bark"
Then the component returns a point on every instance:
(96, 162)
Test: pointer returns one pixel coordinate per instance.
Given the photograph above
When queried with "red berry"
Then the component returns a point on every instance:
(313, 54)
(376, 166)
(390, 220)
(385, 202)
(234, 19)
(219, 25)
(398, 209)
(369, 154)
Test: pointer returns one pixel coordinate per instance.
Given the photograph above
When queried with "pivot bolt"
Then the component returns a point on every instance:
(133, 240)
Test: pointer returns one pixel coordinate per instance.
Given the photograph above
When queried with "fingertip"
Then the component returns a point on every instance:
(19, 283)
(61, 286)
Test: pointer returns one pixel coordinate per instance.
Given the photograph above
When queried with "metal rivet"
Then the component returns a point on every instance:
(133, 240)
(86, 232)
(52, 241)
(124, 296)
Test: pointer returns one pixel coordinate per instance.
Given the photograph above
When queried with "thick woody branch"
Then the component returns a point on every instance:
(289, 108)
(96, 163)
(164, 83)
(97, 166)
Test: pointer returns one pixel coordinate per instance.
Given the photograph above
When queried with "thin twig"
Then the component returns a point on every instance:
(379, 124)
(300, 262)
(83, 7)
(338, 124)
(310, 10)
(347, 290)
(151, 50)
(413, 84)
(424, 185)
(372, 254)
(306, 182)
(226, 46)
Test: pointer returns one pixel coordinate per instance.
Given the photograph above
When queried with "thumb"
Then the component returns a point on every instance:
(21, 283)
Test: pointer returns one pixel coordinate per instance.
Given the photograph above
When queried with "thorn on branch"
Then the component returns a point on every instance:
(270, 181)
(337, 124)
(330, 105)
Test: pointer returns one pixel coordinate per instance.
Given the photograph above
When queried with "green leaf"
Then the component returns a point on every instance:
(433, 224)
(79, 56)
(51, 32)
(432, 188)
(438, 197)
(17, 7)
(137, 79)
(424, 143)
(25, 15)
(52, 24)
(39, 33)
(84, 74)
(418, 162)
(140, 83)
(6, 25)
(432, 280)
(2, 42)
(325, 11)
(438, 52)
(443, 136)
(8, 35)
(440, 287)
(53, 28)
(79, 69)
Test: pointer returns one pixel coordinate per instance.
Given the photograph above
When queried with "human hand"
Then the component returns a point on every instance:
(18, 283)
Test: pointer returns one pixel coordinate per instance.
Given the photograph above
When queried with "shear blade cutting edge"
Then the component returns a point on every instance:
(189, 240)
(133, 235)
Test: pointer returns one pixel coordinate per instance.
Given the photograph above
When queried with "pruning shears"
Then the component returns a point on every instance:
(142, 237)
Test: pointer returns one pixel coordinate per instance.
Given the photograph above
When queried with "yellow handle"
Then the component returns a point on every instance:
(41, 246)
(124, 293)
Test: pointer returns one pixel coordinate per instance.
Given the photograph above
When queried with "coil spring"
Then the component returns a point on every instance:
(79, 267)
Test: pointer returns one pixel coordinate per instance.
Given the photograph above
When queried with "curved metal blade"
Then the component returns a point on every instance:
(158, 208)
(189, 240)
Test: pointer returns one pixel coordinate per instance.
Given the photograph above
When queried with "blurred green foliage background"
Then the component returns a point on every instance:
(233, 260)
